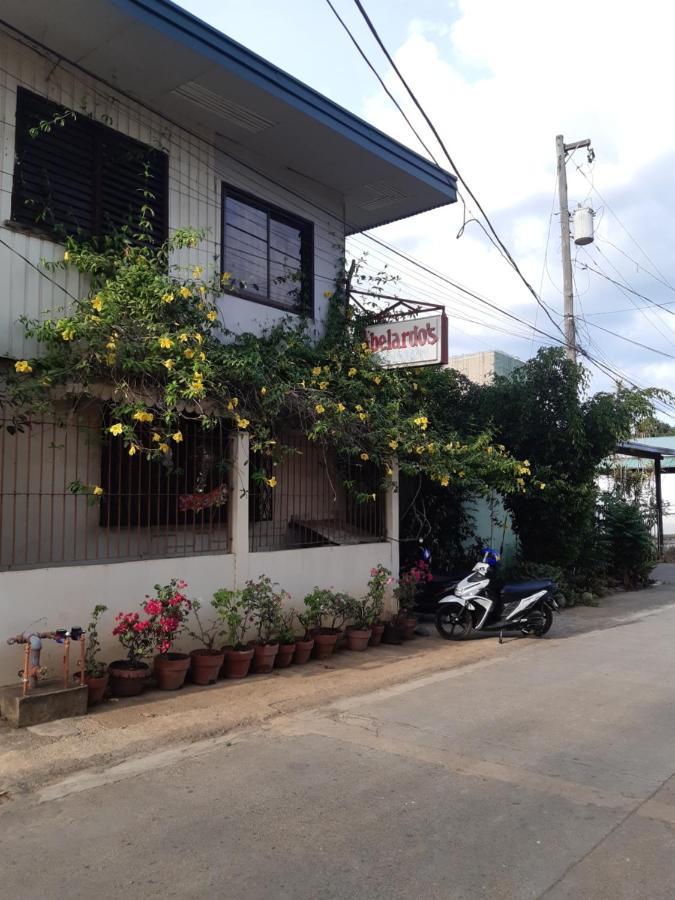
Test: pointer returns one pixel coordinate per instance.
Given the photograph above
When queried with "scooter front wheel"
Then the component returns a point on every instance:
(454, 624)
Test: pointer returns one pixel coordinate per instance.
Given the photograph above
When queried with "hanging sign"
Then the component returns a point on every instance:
(418, 341)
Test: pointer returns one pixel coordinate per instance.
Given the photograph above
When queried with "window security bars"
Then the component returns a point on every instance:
(50, 515)
(315, 502)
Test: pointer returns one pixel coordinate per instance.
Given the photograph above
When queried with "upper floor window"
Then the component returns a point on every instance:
(76, 176)
(268, 253)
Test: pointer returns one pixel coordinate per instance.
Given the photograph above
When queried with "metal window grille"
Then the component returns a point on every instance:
(148, 509)
(315, 501)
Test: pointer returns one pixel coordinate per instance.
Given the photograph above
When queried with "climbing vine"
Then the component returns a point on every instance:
(148, 335)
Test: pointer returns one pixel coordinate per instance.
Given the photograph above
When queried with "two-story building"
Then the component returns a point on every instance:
(274, 172)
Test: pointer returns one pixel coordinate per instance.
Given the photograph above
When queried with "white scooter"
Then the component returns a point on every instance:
(476, 605)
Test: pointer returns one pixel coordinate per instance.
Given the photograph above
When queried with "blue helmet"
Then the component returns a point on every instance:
(491, 556)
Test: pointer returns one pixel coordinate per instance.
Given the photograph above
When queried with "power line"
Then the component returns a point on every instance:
(134, 103)
(615, 312)
(623, 290)
(446, 152)
(384, 87)
(544, 267)
(630, 290)
(631, 341)
(39, 270)
(606, 202)
(639, 268)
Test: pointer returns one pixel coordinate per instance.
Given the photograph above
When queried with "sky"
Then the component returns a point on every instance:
(500, 81)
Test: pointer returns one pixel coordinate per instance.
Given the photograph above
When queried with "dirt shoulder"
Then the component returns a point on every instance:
(31, 758)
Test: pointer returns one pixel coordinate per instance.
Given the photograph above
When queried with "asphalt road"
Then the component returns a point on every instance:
(548, 772)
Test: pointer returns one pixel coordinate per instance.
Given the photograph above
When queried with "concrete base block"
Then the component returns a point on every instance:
(44, 704)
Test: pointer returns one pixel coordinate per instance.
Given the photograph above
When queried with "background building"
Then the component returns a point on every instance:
(482, 367)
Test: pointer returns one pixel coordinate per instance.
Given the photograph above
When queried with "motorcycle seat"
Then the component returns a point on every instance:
(525, 588)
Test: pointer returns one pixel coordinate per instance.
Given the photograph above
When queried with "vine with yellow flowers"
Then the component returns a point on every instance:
(149, 335)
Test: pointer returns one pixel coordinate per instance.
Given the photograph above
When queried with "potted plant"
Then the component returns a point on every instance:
(236, 617)
(359, 632)
(168, 612)
(95, 672)
(286, 639)
(128, 676)
(265, 605)
(380, 577)
(207, 660)
(305, 644)
(406, 595)
(326, 611)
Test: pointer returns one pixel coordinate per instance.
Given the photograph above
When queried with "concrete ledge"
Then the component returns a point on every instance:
(42, 704)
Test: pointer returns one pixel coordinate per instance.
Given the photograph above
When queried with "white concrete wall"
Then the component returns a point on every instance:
(489, 516)
(196, 172)
(46, 599)
(64, 596)
(341, 568)
(606, 483)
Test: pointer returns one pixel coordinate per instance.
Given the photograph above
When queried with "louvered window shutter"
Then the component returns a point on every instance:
(83, 178)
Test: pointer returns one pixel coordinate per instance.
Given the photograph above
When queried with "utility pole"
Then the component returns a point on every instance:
(562, 149)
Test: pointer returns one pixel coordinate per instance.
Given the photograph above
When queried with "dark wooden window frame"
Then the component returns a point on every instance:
(305, 307)
(100, 135)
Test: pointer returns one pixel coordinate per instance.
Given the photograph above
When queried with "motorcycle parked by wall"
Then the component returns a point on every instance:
(476, 604)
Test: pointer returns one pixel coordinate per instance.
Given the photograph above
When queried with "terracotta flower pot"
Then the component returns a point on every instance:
(237, 662)
(358, 638)
(377, 631)
(324, 644)
(127, 679)
(285, 656)
(342, 643)
(206, 665)
(97, 688)
(263, 658)
(171, 670)
(303, 651)
(409, 624)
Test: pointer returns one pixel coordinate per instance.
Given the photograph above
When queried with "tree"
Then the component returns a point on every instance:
(544, 416)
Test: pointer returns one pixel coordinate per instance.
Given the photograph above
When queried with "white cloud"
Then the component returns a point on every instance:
(500, 81)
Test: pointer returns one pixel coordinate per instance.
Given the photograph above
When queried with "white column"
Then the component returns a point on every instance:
(391, 519)
(239, 500)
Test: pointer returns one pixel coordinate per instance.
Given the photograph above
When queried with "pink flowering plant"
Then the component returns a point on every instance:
(167, 612)
(406, 586)
(136, 635)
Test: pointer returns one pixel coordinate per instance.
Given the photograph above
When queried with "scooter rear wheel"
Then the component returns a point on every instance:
(544, 624)
(453, 625)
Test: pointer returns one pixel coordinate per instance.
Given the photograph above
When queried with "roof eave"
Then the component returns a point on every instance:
(181, 25)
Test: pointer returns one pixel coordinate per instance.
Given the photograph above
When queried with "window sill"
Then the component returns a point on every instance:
(33, 231)
(265, 301)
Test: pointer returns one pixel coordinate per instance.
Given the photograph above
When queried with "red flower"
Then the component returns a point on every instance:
(153, 607)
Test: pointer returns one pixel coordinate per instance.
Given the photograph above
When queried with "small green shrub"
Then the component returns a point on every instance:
(629, 547)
